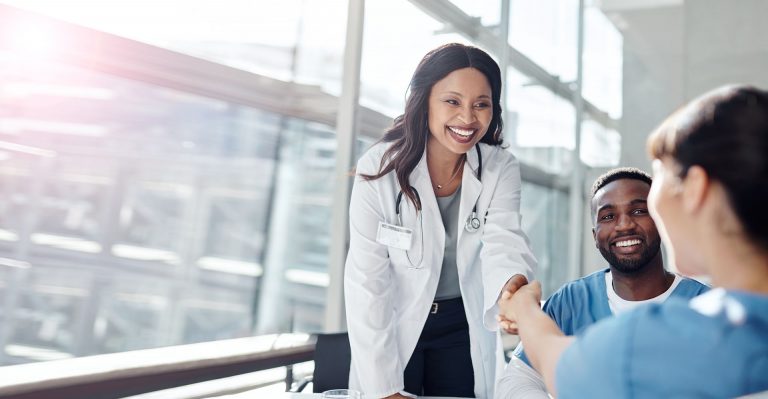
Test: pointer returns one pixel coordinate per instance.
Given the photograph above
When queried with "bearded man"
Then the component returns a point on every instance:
(627, 238)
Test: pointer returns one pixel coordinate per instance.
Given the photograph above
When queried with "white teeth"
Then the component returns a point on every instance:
(627, 243)
(462, 132)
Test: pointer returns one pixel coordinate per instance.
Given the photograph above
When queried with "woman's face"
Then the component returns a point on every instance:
(460, 110)
(675, 227)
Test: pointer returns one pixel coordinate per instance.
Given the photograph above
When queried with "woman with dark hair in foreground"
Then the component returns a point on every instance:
(709, 198)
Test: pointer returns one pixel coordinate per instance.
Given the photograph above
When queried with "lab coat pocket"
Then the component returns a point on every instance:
(411, 259)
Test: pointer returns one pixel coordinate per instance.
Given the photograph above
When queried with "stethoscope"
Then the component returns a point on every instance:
(473, 222)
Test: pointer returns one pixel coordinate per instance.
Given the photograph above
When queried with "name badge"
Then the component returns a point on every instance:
(394, 236)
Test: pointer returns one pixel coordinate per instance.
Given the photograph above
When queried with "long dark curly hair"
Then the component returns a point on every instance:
(410, 131)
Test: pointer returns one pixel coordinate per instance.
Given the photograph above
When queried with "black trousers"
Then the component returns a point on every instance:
(441, 364)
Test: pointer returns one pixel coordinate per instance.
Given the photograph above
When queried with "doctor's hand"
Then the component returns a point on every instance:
(513, 305)
(512, 285)
(396, 396)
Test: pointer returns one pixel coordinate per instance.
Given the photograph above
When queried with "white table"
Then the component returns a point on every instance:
(291, 395)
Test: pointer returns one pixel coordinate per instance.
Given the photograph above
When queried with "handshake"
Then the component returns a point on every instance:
(516, 298)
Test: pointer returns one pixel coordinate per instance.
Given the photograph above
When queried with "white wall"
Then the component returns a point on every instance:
(674, 53)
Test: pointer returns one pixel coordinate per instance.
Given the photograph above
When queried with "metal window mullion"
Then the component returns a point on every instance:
(576, 199)
(504, 60)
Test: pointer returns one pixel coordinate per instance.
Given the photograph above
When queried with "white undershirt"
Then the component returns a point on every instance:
(619, 305)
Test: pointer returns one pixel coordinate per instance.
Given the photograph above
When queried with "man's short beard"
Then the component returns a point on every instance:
(630, 266)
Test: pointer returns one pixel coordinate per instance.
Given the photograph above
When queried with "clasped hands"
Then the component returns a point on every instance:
(516, 295)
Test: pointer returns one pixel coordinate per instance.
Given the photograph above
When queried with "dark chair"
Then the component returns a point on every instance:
(332, 358)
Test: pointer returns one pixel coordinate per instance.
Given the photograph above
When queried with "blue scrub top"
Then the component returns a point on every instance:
(583, 302)
(716, 346)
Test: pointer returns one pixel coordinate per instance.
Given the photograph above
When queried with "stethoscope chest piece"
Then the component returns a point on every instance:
(473, 223)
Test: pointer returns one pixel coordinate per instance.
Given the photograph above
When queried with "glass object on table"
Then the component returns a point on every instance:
(342, 394)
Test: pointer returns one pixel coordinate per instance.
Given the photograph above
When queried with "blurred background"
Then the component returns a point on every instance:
(170, 171)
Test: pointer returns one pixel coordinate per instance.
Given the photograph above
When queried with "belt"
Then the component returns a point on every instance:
(447, 303)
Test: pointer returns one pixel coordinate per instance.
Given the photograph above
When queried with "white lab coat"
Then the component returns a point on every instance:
(388, 296)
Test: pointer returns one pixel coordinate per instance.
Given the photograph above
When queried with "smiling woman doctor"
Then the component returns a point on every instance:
(435, 237)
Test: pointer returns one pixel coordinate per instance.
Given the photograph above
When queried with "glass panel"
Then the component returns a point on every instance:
(600, 147)
(540, 125)
(296, 281)
(487, 10)
(545, 31)
(293, 296)
(545, 216)
(603, 62)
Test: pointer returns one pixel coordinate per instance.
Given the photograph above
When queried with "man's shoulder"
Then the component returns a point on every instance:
(587, 282)
(689, 287)
(579, 288)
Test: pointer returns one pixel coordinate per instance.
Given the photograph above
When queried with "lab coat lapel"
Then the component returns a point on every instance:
(434, 232)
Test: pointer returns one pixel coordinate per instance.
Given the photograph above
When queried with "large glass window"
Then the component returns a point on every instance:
(175, 199)
(137, 215)
(142, 224)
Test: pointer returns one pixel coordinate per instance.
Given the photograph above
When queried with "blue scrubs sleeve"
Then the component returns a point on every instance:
(595, 365)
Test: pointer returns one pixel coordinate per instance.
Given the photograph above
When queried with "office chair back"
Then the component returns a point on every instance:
(332, 359)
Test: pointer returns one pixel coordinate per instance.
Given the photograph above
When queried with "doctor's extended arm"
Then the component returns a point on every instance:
(505, 251)
(368, 297)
